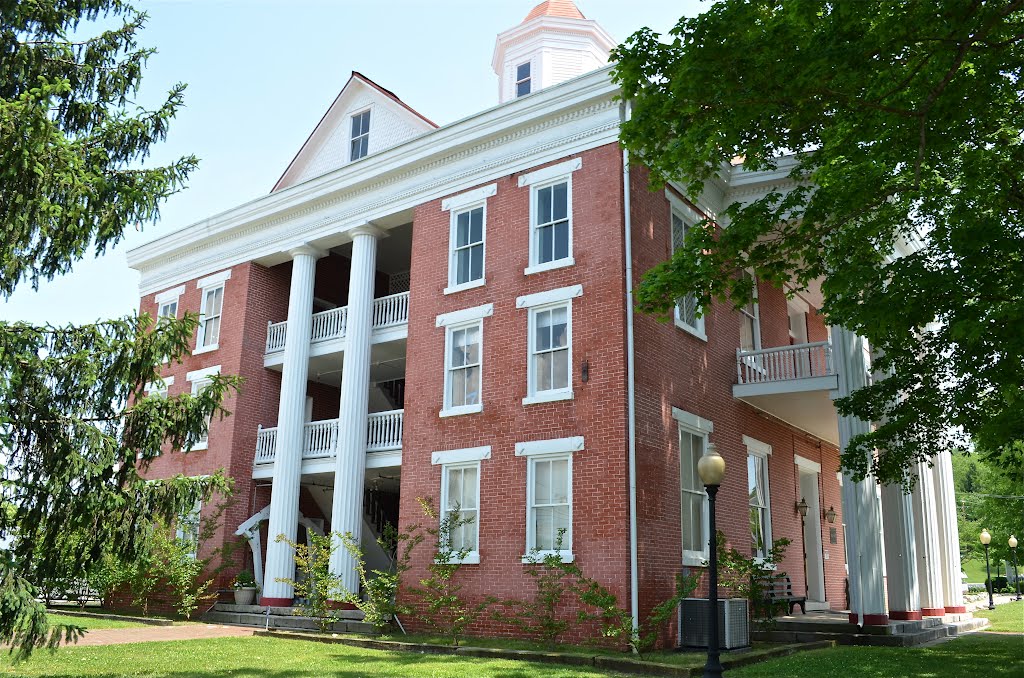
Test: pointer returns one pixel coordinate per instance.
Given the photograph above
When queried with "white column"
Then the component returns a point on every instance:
(861, 509)
(949, 533)
(347, 509)
(926, 529)
(900, 553)
(284, 498)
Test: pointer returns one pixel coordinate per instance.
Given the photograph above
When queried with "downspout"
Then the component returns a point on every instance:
(634, 575)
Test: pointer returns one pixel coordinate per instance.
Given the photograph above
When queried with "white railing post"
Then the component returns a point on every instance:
(784, 363)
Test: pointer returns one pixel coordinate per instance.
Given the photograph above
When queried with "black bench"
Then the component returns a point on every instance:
(780, 590)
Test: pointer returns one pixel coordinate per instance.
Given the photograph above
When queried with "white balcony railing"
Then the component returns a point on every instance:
(799, 361)
(320, 438)
(387, 312)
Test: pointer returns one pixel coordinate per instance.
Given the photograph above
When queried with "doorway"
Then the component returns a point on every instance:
(814, 566)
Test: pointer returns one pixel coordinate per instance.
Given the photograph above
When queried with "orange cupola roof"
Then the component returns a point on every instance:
(562, 8)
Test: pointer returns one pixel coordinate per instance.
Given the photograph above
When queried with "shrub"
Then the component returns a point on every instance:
(746, 577)
(380, 605)
(317, 586)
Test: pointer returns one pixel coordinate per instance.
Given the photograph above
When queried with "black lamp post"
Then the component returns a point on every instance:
(711, 469)
(986, 538)
(1012, 541)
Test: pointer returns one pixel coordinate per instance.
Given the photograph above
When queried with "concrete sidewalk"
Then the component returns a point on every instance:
(154, 633)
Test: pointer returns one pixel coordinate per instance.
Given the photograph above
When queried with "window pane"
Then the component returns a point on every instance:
(211, 335)
(560, 481)
(756, 532)
(560, 199)
(542, 339)
(472, 386)
(559, 326)
(469, 530)
(542, 376)
(544, 205)
(476, 262)
(542, 482)
(462, 229)
(560, 369)
(472, 345)
(545, 244)
(544, 528)
(356, 126)
(523, 88)
(476, 230)
(469, 488)
(454, 489)
(560, 523)
(678, 231)
(458, 348)
(458, 386)
(561, 240)
(747, 334)
(523, 71)
(462, 266)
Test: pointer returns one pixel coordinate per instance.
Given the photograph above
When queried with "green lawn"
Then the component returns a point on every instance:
(93, 623)
(1008, 618)
(986, 655)
(268, 658)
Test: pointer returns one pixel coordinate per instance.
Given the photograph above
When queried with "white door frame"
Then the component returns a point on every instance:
(809, 473)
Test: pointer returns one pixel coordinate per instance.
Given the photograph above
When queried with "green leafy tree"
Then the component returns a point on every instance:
(380, 587)
(988, 497)
(897, 124)
(315, 585)
(76, 427)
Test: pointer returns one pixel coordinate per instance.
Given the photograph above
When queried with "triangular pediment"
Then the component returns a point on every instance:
(329, 147)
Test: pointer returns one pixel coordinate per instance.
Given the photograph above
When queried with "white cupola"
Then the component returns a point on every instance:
(554, 43)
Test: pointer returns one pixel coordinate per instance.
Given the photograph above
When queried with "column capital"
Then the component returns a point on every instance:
(366, 229)
(305, 249)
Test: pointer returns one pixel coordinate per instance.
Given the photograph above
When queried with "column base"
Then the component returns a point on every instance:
(870, 619)
(910, 615)
(275, 602)
(933, 611)
(956, 609)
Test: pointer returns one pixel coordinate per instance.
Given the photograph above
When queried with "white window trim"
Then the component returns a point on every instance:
(477, 195)
(566, 555)
(169, 295)
(806, 464)
(461, 456)
(692, 217)
(516, 79)
(698, 426)
(206, 285)
(199, 378)
(479, 282)
(551, 446)
(537, 180)
(448, 410)
(161, 385)
(764, 450)
(472, 557)
(549, 297)
(533, 397)
(351, 115)
(465, 315)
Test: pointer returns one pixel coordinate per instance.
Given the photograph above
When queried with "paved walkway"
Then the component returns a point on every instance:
(152, 633)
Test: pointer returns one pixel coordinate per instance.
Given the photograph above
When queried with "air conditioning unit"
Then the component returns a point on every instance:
(733, 623)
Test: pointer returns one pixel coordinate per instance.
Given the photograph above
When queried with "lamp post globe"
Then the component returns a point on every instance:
(986, 539)
(711, 469)
(1012, 543)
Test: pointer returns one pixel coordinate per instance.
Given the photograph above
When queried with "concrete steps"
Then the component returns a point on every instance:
(895, 634)
(285, 618)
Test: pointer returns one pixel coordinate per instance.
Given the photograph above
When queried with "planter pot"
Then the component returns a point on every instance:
(245, 596)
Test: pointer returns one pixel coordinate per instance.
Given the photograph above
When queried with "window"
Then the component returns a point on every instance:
(460, 495)
(467, 264)
(462, 387)
(168, 309)
(550, 215)
(693, 440)
(750, 322)
(523, 79)
(200, 379)
(463, 362)
(360, 135)
(549, 345)
(210, 312)
(549, 350)
(687, 313)
(159, 388)
(759, 497)
(549, 495)
(187, 528)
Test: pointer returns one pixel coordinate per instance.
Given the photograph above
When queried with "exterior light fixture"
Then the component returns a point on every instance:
(711, 469)
(986, 539)
(801, 507)
(830, 515)
(1012, 542)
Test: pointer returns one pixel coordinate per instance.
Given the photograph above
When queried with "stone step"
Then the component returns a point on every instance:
(286, 622)
(830, 627)
(967, 625)
(352, 615)
(854, 637)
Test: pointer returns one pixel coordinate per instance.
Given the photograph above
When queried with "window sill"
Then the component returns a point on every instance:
(201, 445)
(695, 560)
(471, 558)
(205, 349)
(767, 567)
(537, 557)
(460, 410)
(691, 330)
(548, 397)
(549, 266)
(452, 289)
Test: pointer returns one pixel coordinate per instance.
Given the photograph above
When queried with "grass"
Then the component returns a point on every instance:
(976, 654)
(1006, 618)
(975, 571)
(269, 658)
(93, 623)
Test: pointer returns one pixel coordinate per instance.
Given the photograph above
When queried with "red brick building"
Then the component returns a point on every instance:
(445, 313)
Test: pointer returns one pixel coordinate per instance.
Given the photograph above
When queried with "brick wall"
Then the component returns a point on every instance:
(597, 411)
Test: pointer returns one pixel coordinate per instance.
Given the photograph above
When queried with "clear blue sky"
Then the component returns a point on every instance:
(260, 75)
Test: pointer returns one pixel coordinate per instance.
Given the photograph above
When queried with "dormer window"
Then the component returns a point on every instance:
(360, 135)
(523, 79)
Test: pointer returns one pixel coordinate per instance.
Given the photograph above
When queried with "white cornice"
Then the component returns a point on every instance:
(571, 117)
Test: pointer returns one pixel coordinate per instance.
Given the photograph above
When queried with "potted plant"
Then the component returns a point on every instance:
(245, 587)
